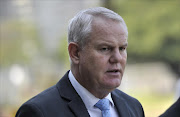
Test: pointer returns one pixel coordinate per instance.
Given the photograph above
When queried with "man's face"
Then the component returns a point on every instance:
(102, 61)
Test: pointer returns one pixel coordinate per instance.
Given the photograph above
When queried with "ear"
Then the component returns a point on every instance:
(74, 49)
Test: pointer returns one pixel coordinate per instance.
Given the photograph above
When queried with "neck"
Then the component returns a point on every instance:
(93, 89)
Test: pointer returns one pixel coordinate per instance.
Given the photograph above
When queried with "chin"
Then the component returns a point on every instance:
(112, 83)
(113, 86)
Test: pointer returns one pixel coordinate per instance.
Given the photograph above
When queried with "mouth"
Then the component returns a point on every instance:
(114, 71)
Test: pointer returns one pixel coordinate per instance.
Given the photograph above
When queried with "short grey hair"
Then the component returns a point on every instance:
(80, 27)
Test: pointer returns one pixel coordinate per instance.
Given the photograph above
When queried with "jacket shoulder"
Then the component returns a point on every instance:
(47, 95)
(37, 105)
(29, 110)
(132, 104)
(52, 102)
(125, 96)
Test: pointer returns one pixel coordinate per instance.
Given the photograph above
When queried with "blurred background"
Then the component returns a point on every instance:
(33, 49)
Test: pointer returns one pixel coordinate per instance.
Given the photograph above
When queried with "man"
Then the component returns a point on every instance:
(97, 40)
(173, 111)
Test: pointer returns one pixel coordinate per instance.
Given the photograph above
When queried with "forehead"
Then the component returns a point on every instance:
(102, 24)
(108, 30)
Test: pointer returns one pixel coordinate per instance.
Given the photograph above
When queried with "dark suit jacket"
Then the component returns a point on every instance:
(173, 111)
(61, 100)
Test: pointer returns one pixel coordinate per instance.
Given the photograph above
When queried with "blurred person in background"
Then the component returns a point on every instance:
(97, 46)
(177, 94)
(173, 111)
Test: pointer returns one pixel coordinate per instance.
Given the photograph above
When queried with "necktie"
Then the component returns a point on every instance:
(104, 106)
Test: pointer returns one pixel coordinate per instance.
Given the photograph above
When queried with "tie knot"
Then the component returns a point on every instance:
(103, 104)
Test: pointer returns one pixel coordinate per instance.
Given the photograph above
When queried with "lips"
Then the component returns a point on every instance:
(114, 70)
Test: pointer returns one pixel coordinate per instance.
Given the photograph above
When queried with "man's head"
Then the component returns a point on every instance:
(80, 27)
(97, 48)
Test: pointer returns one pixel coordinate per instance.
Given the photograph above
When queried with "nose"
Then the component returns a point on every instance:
(116, 57)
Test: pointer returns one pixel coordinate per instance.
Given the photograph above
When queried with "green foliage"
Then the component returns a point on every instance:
(18, 42)
(153, 29)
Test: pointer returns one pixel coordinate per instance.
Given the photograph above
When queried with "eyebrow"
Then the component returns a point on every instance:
(110, 44)
(126, 44)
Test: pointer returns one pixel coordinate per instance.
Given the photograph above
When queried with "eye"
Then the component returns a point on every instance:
(122, 48)
(105, 49)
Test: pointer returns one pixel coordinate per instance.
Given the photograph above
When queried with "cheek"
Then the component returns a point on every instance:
(100, 61)
(96, 58)
(125, 57)
(94, 61)
(124, 60)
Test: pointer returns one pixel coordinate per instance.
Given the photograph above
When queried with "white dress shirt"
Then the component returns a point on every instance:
(90, 100)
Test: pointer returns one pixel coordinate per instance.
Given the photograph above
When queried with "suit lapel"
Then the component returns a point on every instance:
(78, 107)
(67, 91)
(120, 105)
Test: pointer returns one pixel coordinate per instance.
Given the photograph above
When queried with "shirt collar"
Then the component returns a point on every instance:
(89, 99)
